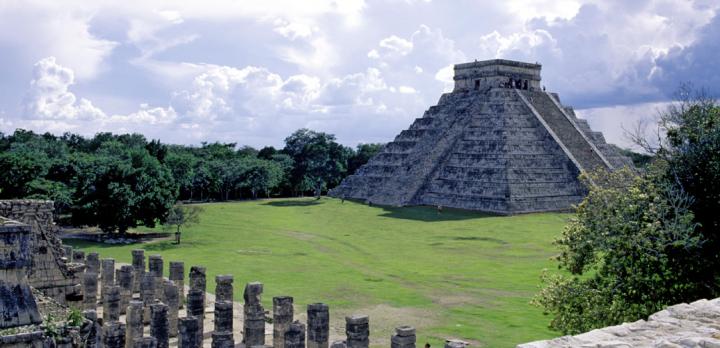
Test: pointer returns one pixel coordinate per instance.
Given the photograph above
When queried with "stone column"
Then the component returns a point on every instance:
(254, 315)
(113, 334)
(318, 327)
(223, 316)
(177, 275)
(92, 263)
(17, 303)
(90, 289)
(107, 277)
(155, 266)
(282, 318)
(222, 340)
(357, 329)
(197, 278)
(68, 252)
(196, 307)
(455, 344)
(295, 335)
(173, 302)
(188, 331)
(111, 305)
(93, 333)
(143, 342)
(138, 263)
(147, 294)
(78, 256)
(224, 288)
(124, 279)
(159, 325)
(338, 344)
(404, 337)
(134, 321)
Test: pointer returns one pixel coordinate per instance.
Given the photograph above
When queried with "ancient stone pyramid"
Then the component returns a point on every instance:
(497, 143)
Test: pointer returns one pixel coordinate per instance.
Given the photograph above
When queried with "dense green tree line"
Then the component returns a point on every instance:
(122, 181)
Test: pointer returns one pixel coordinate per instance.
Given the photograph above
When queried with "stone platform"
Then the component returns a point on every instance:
(684, 325)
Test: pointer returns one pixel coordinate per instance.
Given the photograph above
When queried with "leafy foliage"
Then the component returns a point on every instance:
(640, 243)
(121, 181)
(631, 250)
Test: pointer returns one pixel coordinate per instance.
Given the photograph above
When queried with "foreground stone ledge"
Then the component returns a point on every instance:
(684, 325)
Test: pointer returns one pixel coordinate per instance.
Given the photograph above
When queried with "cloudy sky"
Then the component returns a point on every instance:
(252, 72)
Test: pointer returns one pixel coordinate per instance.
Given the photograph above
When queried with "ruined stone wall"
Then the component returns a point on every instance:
(49, 271)
(682, 325)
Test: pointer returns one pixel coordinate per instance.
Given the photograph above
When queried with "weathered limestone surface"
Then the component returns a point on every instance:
(134, 321)
(295, 335)
(253, 315)
(49, 271)
(190, 334)
(222, 339)
(177, 275)
(318, 325)
(497, 143)
(107, 276)
(138, 263)
(124, 279)
(147, 294)
(282, 318)
(92, 263)
(404, 337)
(159, 325)
(196, 307)
(682, 325)
(173, 302)
(111, 303)
(357, 329)
(17, 304)
(224, 288)
(113, 335)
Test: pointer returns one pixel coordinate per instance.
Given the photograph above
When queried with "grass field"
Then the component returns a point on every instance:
(457, 274)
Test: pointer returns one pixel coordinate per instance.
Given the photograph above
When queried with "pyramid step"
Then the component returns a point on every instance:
(584, 151)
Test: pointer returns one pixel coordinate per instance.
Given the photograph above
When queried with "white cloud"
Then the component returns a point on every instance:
(49, 104)
(41, 31)
(294, 30)
(396, 45)
(49, 98)
(615, 121)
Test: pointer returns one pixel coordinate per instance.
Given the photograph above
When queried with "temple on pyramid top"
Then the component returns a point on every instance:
(497, 143)
(497, 73)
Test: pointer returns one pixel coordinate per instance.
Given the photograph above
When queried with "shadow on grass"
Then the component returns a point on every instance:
(293, 203)
(430, 214)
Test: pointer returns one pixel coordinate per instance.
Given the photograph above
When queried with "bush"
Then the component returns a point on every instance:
(631, 250)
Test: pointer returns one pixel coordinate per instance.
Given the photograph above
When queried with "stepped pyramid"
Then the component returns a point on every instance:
(497, 143)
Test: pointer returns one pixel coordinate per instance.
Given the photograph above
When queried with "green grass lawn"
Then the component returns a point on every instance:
(457, 274)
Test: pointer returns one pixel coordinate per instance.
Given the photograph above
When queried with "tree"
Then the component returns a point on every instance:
(182, 165)
(261, 176)
(121, 187)
(182, 215)
(19, 167)
(632, 249)
(362, 155)
(318, 160)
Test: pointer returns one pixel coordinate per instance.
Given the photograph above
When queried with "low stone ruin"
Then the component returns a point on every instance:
(682, 325)
(51, 268)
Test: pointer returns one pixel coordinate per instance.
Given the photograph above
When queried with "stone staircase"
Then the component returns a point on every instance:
(504, 161)
(588, 157)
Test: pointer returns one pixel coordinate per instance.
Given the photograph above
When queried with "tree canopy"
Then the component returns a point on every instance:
(121, 181)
